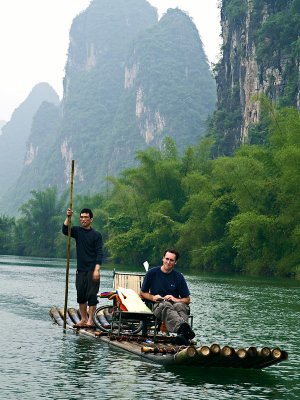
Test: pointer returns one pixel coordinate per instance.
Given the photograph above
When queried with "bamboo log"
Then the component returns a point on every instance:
(264, 356)
(227, 352)
(215, 348)
(101, 317)
(237, 359)
(276, 355)
(250, 359)
(227, 356)
(185, 354)
(252, 351)
(204, 356)
(203, 351)
(265, 352)
(160, 350)
(74, 315)
(100, 333)
(241, 354)
(147, 349)
(284, 355)
(55, 316)
(67, 319)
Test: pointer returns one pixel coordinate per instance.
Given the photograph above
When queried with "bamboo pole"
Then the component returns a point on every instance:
(69, 248)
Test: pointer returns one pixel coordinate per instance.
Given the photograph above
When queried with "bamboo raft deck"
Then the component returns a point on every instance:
(164, 351)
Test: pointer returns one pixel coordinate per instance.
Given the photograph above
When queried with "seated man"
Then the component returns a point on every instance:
(168, 289)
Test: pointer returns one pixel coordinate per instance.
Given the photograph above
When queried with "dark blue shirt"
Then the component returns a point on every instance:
(88, 247)
(158, 282)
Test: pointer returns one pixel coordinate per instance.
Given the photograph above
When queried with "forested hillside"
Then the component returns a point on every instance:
(130, 81)
(169, 91)
(45, 127)
(260, 55)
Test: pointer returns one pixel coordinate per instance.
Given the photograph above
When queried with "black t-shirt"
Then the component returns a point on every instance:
(88, 247)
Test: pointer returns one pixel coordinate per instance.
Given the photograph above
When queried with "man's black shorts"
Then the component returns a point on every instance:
(87, 288)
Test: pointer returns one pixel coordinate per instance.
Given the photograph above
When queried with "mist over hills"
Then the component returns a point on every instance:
(169, 90)
(130, 81)
(2, 123)
(16, 132)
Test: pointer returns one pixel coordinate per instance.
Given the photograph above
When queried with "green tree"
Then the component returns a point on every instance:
(148, 199)
(40, 223)
(254, 238)
(7, 225)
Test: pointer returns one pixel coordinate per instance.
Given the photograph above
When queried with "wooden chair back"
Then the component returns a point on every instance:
(128, 280)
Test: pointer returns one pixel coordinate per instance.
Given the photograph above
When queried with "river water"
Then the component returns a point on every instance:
(39, 360)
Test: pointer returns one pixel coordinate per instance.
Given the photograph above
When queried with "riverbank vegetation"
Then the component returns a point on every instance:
(236, 214)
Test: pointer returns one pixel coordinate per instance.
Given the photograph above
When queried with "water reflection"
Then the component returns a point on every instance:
(39, 360)
(80, 355)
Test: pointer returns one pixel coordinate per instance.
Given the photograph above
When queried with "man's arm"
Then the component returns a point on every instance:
(99, 255)
(169, 297)
(146, 288)
(96, 273)
(66, 221)
(185, 300)
(69, 215)
(99, 249)
(183, 291)
(151, 297)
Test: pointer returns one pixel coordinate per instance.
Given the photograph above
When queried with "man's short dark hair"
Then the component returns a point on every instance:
(173, 251)
(87, 211)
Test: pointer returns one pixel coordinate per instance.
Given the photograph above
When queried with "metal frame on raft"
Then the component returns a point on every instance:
(164, 351)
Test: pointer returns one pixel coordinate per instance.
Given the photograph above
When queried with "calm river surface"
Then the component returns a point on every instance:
(39, 360)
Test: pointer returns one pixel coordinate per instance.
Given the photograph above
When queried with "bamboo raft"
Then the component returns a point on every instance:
(164, 351)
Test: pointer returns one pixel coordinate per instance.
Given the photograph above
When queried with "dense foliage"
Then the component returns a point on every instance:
(231, 214)
(278, 38)
(235, 9)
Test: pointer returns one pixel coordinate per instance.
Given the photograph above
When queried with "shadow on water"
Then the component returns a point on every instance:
(79, 353)
(223, 376)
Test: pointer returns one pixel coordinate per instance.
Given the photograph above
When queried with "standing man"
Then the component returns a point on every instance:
(168, 289)
(89, 258)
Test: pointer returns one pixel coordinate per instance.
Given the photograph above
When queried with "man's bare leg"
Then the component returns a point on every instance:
(83, 313)
(90, 321)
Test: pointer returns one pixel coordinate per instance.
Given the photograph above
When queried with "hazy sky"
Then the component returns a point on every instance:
(34, 38)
